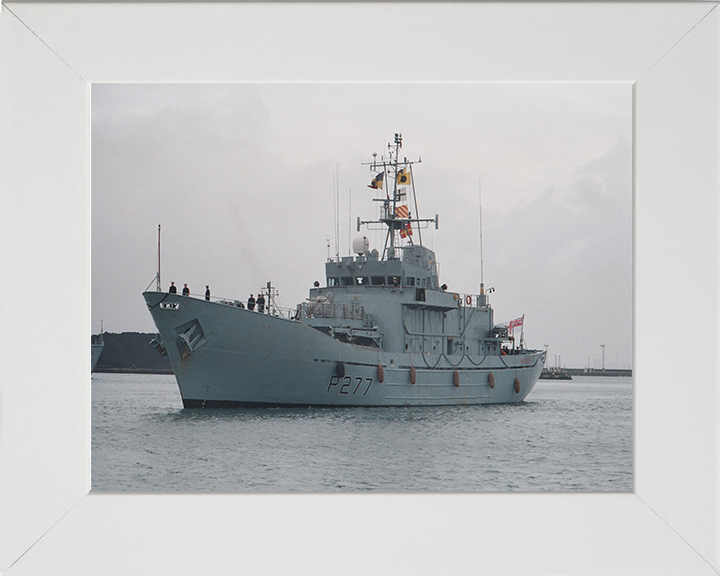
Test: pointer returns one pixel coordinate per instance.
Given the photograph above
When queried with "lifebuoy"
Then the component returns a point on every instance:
(413, 375)
(517, 385)
(468, 299)
(381, 373)
(491, 380)
(456, 378)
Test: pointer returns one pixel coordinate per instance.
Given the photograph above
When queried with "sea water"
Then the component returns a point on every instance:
(566, 436)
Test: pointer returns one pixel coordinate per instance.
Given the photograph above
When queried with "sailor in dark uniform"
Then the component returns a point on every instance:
(172, 289)
(186, 291)
(251, 303)
(261, 303)
(207, 293)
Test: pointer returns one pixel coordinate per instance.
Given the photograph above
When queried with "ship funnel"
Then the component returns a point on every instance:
(361, 245)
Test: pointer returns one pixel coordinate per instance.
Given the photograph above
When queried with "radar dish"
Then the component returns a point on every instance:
(361, 245)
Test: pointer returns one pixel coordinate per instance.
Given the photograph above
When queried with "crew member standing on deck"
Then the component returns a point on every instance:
(172, 289)
(261, 303)
(186, 291)
(251, 303)
(207, 293)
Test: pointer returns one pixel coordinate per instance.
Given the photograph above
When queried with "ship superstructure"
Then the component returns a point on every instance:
(382, 331)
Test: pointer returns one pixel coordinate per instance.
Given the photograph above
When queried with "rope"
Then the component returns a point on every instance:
(454, 365)
(153, 306)
(478, 363)
(436, 363)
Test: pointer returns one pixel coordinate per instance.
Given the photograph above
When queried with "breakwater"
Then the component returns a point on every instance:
(131, 353)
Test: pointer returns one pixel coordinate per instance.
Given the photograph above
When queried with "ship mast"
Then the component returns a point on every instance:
(394, 169)
(393, 214)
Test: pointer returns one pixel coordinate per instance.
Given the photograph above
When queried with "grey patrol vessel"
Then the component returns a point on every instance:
(382, 331)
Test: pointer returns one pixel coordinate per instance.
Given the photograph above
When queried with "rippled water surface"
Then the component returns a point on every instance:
(566, 436)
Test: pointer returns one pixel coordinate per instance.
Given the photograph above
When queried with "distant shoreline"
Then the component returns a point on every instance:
(585, 372)
(593, 372)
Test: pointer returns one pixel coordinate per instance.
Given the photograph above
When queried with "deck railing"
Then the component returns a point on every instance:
(271, 310)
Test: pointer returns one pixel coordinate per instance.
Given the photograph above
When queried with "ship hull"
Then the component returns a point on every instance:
(224, 356)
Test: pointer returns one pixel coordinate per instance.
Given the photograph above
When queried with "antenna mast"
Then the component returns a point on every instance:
(482, 280)
(158, 271)
(337, 213)
(483, 298)
(393, 171)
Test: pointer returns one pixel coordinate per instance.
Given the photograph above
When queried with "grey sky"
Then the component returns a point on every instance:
(241, 177)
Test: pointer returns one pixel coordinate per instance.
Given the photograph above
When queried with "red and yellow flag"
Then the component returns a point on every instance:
(402, 211)
(406, 231)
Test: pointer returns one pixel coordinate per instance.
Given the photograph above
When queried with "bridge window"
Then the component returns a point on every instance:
(333, 282)
(377, 280)
(409, 281)
(346, 281)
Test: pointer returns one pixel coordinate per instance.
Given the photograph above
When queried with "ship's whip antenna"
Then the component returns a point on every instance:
(337, 213)
(158, 271)
(417, 214)
(482, 281)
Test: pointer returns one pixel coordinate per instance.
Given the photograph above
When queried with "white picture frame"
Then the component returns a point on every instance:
(49, 523)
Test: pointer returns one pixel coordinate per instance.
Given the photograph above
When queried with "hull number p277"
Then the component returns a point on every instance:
(349, 386)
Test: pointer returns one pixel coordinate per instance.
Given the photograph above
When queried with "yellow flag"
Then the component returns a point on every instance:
(403, 177)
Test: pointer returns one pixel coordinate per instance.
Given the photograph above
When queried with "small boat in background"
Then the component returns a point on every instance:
(554, 374)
